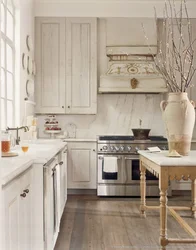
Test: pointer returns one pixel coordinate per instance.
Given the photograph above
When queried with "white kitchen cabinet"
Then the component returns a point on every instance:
(11, 216)
(81, 65)
(17, 213)
(62, 157)
(50, 65)
(66, 60)
(82, 165)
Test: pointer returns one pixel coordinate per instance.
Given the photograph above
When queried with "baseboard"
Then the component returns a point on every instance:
(181, 192)
(82, 191)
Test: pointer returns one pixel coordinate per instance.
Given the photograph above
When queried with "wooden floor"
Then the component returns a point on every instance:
(92, 223)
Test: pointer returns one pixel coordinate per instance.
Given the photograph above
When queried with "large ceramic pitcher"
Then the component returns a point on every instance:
(179, 118)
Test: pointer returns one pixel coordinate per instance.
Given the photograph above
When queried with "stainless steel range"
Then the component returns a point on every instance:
(118, 165)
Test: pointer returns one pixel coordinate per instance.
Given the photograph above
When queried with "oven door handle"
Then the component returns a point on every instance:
(102, 157)
(131, 158)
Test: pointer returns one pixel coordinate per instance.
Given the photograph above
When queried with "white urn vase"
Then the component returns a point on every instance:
(179, 118)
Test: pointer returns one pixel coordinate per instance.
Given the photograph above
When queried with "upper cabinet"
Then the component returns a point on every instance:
(50, 61)
(66, 57)
(81, 65)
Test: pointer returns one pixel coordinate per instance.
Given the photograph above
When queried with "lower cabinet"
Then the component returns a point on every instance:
(82, 165)
(33, 204)
(62, 158)
(17, 212)
(55, 179)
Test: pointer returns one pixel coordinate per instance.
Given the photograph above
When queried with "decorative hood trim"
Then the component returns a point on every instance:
(131, 70)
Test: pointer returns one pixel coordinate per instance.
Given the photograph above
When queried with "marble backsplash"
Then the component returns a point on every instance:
(117, 114)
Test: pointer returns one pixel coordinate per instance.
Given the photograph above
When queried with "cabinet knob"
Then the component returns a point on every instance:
(26, 191)
(23, 195)
(61, 163)
(93, 150)
(68, 107)
(62, 107)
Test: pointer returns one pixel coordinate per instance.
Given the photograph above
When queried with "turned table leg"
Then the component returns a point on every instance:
(142, 189)
(194, 198)
(163, 186)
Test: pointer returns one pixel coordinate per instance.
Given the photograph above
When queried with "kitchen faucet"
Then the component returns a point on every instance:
(17, 129)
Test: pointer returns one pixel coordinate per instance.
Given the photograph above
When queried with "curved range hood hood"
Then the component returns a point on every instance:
(131, 70)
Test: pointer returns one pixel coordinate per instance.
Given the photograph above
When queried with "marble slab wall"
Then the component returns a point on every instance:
(117, 114)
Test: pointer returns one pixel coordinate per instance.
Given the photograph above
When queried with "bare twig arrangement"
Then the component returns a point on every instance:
(175, 58)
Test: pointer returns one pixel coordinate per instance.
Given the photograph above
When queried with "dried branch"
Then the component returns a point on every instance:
(176, 61)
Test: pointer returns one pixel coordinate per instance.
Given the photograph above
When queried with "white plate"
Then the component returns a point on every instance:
(24, 61)
(29, 43)
(30, 88)
(29, 66)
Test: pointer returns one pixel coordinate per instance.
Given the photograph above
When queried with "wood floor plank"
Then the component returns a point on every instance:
(66, 228)
(93, 236)
(114, 232)
(93, 223)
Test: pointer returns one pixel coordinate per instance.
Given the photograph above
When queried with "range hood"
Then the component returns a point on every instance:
(131, 70)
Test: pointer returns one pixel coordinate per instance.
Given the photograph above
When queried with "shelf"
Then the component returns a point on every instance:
(52, 125)
(52, 131)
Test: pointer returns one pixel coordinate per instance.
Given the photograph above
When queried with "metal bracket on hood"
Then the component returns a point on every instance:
(134, 82)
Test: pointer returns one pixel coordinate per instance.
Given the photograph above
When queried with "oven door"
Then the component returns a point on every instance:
(111, 178)
(132, 170)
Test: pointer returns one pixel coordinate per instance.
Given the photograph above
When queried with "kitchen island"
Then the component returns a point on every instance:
(167, 169)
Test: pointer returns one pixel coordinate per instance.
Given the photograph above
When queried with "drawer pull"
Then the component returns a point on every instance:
(26, 191)
(61, 163)
(23, 195)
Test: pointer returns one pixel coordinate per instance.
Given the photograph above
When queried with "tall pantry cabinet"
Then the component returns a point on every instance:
(66, 58)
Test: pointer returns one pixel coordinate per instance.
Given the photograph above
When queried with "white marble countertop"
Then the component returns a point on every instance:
(162, 159)
(40, 152)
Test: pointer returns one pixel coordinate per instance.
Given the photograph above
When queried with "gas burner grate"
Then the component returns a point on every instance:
(157, 138)
(129, 138)
(116, 138)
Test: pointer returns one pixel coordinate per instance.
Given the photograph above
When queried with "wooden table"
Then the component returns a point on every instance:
(167, 169)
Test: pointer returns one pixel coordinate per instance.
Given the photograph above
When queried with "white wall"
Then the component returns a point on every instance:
(104, 8)
(26, 9)
(117, 114)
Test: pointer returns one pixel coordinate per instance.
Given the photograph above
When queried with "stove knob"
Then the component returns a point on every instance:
(137, 148)
(129, 148)
(117, 148)
(164, 148)
(122, 148)
(112, 148)
(105, 147)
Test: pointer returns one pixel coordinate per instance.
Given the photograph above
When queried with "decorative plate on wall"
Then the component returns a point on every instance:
(29, 65)
(30, 88)
(24, 61)
(29, 43)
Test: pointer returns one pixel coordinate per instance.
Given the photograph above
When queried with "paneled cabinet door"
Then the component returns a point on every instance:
(81, 65)
(50, 65)
(82, 165)
(65, 183)
(17, 213)
(11, 216)
(26, 205)
(63, 179)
